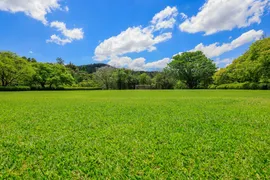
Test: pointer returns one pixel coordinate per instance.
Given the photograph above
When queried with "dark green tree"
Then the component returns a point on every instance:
(193, 68)
(60, 61)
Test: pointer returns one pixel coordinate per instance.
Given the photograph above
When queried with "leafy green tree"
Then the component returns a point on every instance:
(52, 75)
(163, 80)
(120, 78)
(144, 79)
(60, 61)
(43, 73)
(132, 80)
(60, 76)
(14, 69)
(253, 66)
(104, 76)
(193, 68)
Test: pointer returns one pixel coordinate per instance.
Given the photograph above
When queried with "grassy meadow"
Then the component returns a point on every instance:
(135, 134)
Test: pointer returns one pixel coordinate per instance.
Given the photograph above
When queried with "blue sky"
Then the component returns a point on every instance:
(135, 34)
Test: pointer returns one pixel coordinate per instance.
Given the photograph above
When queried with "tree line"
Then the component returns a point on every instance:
(189, 70)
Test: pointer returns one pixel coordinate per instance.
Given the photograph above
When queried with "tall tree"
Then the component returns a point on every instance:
(252, 66)
(164, 80)
(104, 76)
(52, 75)
(144, 79)
(120, 77)
(14, 69)
(193, 68)
(60, 61)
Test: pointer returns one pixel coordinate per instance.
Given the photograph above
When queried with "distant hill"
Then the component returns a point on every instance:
(91, 68)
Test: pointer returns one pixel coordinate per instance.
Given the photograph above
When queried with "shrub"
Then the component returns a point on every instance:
(15, 88)
(247, 85)
(212, 86)
(180, 85)
(81, 88)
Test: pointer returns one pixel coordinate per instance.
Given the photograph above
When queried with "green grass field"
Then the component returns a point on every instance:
(135, 134)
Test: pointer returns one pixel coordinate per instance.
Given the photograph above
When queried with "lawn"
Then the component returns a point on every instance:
(135, 134)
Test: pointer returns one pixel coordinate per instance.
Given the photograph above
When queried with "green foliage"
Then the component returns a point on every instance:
(253, 66)
(180, 85)
(81, 88)
(104, 77)
(92, 68)
(60, 61)
(14, 70)
(246, 85)
(193, 68)
(15, 88)
(144, 79)
(52, 75)
(163, 80)
(135, 135)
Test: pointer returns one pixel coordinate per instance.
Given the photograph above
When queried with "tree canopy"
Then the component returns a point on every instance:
(187, 70)
(193, 68)
(252, 66)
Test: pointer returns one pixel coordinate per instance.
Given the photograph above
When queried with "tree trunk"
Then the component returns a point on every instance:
(42, 85)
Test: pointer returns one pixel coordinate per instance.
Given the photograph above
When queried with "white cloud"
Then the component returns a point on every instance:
(214, 50)
(134, 39)
(223, 62)
(120, 62)
(165, 19)
(37, 9)
(221, 15)
(160, 64)
(69, 34)
(76, 33)
(31, 52)
(57, 40)
(138, 39)
(138, 64)
(184, 16)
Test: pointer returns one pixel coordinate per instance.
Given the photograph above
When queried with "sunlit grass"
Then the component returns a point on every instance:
(135, 134)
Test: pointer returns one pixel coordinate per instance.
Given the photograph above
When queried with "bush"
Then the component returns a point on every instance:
(247, 85)
(180, 85)
(15, 88)
(39, 88)
(212, 86)
(63, 88)
(81, 88)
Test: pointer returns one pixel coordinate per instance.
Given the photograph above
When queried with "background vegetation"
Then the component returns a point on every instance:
(189, 70)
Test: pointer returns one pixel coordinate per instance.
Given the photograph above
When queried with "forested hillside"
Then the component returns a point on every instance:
(252, 67)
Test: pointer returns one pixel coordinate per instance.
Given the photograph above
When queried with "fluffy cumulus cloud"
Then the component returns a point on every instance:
(138, 39)
(223, 62)
(135, 39)
(138, 64)
(165, 19)
(220, 15)
(157, 65)
(37, 9)
(68, 34)
(215, 49)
